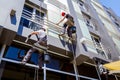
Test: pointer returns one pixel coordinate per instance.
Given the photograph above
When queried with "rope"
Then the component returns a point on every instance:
(36, 74)
(65, 43)
(74, 61)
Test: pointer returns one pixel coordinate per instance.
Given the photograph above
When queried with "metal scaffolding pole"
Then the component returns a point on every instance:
(2, 51)
(44, 71)
(116, 77)
(74, 61)
(97, 70)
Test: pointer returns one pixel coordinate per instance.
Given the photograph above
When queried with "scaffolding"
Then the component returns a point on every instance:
(56, 29)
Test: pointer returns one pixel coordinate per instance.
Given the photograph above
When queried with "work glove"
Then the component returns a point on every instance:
(29, 36)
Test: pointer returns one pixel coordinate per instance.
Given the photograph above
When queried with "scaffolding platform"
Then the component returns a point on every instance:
(19, 41)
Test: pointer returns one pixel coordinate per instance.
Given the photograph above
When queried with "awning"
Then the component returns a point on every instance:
(113, 67)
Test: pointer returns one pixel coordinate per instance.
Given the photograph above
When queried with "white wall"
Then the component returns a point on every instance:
(5, 8)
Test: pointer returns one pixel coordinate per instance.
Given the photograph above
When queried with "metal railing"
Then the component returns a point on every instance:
(40, 21)
(48, 69)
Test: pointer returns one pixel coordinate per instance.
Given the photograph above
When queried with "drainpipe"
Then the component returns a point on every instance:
(3, 64)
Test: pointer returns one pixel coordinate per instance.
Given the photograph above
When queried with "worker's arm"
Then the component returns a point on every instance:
(33, 33)
(60, 21)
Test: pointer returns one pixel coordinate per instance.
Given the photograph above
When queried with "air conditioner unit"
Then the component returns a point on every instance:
(82, 40)
(12, 13)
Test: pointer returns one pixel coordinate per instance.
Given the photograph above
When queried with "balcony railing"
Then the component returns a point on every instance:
(37, 22)
(100, 50)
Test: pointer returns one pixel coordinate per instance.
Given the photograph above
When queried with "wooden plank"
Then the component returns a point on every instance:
(41, 48)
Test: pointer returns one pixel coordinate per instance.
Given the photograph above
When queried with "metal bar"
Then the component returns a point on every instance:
(44, 71)
(58, 71)
(58, 54)
(116, 77)
(75, 69)
(89, 64)
(2, 51)
(97, 70)
(35, 74)
(74, 63)
(40, 48)
(49, 69)
(18, 62)
(72, 74)
(22, 43)
(98, 73)
(87, 77)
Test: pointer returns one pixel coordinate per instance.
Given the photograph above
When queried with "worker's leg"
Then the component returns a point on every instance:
(69, 32)
(64, 29)
(28, 55)
(40, 60)
(42, 42)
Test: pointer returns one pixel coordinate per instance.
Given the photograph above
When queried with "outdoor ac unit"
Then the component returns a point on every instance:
(12, 13)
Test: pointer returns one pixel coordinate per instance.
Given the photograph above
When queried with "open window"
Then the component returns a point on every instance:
(83, 6)
(32, 17)
(117, 25)
(88, 21)
(97, 42)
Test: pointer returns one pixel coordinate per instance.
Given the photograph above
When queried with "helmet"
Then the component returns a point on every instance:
(44, 27)
(63, 13)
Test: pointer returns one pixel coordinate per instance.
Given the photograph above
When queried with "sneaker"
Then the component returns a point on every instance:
(23, 63)
(61, 34)
(36, 44)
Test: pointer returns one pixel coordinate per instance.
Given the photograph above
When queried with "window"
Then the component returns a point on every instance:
(59, 64)
(13, 71)
(118, 26)
(97, 42)
(111, 16)
(18, 54)
(82, 6)
(24, 22)
(39, 17)
(88, 21)
(28, 8)
(58, 76)
(31, 18)
(40, 13)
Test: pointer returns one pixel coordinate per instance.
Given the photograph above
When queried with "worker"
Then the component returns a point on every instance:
(68, 25)
(42, 41)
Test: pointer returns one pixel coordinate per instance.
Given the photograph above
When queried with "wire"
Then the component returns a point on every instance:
(36, 74)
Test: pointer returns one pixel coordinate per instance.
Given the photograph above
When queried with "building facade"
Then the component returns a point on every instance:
(97, 42)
